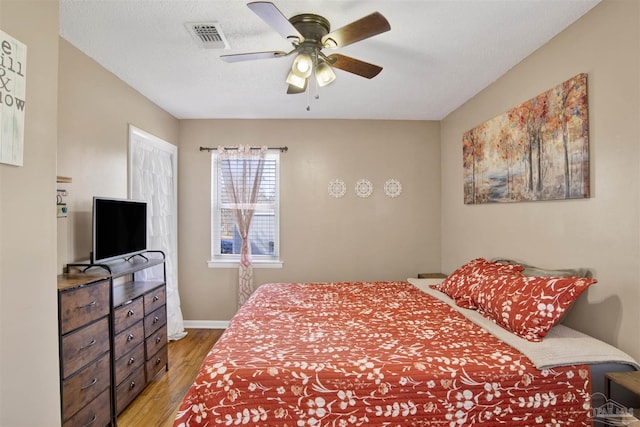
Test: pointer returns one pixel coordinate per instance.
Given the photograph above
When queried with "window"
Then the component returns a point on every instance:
(264, 234)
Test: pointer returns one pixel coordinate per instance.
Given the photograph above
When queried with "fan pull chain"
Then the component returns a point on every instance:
(315, 79)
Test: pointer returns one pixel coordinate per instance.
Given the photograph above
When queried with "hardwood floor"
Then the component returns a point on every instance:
(158, 403)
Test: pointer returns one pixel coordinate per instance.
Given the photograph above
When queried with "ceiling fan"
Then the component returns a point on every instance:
(310, 34)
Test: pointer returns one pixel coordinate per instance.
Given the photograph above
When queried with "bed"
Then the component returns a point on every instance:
(391, 354)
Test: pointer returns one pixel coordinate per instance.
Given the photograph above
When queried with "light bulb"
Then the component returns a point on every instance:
(302, 65)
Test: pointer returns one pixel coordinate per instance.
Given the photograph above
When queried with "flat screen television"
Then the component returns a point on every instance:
(119, 229)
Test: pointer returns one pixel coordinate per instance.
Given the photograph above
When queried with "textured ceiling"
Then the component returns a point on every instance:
(438, 54)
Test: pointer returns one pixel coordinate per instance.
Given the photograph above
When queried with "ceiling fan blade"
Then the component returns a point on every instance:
(361, 29)
(292, 89)
(276, 20)
(251, 56)
(354, 66)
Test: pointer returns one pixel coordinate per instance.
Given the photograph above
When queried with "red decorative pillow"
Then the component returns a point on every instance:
(459, 284)
(528, 306)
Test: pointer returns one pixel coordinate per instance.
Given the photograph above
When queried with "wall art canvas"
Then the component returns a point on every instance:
(538, 150)
(13, 84)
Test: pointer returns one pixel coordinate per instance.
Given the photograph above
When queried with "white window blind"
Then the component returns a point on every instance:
(264, 230)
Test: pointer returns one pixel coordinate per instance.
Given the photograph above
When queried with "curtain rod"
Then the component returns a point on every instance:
(281, 149)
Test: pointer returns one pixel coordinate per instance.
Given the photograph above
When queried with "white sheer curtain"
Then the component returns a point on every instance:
(242, 173)
(152, 178)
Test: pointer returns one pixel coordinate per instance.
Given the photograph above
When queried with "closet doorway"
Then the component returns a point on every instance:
(153, 177)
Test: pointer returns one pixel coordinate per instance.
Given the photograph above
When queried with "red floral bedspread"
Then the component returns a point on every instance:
(372, 354)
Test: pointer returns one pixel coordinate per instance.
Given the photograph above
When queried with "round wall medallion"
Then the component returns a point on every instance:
(337, 188)
(364, 188)
(392, 188)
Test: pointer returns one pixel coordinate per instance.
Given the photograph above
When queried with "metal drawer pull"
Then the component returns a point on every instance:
(81, 307)
(131, 361)
(130, 312)
(158, 360)
(158, 339)
(130, 337)
(91, 384)
(93, 420)
(155, 298)
(132, 385)
(92, 343)
(155, 319)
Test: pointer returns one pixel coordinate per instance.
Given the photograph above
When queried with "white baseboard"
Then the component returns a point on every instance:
(206, 324)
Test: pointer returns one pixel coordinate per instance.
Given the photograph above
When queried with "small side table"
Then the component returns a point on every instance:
(628, 379)
(431, 276)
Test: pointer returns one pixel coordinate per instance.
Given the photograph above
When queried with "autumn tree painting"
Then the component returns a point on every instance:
(538, 150)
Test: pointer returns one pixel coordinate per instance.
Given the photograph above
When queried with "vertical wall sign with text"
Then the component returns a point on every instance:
(13, 85)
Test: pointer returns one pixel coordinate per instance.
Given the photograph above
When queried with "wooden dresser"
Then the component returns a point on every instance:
(140, 337)
(113, 336)
(155, 331)
(84, 303)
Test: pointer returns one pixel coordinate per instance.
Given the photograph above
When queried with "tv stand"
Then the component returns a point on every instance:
(133, 256)
(84, 268)
(123, 309)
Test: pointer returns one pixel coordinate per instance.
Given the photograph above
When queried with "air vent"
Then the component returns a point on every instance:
(208, 35)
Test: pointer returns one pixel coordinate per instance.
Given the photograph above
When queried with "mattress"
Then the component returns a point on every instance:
(374, 354)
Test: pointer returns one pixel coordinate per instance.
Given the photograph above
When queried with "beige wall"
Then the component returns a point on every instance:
(29, 382)
(601, 232)
(322, 238)
(95, 110)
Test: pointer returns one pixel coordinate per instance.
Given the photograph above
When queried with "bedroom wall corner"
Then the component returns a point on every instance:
(29, 370)
(602, 232)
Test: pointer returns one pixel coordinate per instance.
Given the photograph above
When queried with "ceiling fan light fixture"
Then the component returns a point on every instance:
(324, 74)
(310, 34)
(295, 80)
(302, 65)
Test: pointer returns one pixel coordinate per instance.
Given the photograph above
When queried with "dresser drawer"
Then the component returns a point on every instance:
(156, 341)
(127, 340)
(83, 305)
(153, 321)
(126, 315)
(129, 389)
(155, 299)
(127, 364)
(84, 386)
(84, 345)
(96, 414)
(157, 363)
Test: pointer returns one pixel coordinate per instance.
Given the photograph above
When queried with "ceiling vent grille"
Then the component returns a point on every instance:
(208, 35)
